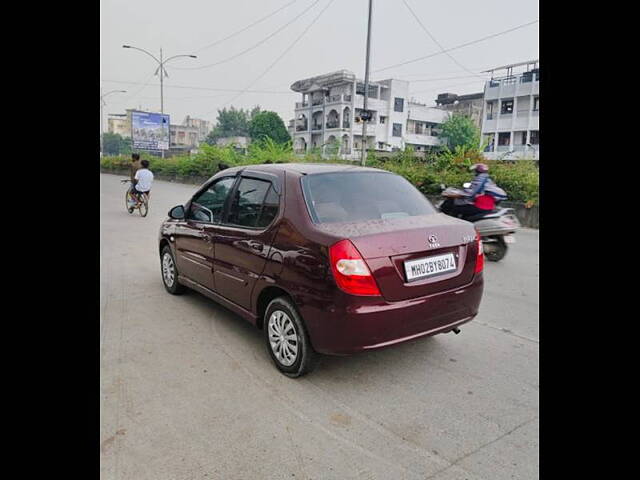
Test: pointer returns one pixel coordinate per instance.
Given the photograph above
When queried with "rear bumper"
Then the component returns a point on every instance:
(354, 324)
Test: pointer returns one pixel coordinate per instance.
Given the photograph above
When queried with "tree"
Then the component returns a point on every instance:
(268, 125)
(115, 144)
(231, 123)
(460, 131)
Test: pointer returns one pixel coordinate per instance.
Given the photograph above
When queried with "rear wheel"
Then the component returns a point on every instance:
(170, 272)
(496, 249)
(144, 205)
(287, 339)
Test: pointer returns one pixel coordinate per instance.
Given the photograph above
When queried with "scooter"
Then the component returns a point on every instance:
(496, 227)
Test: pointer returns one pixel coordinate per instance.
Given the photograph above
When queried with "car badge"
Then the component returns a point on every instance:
(433, 241)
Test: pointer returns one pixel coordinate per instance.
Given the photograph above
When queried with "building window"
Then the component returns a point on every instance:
(383, 119)
(397, 130)
(536, 104)
(490, 110)
(380, 145)
(398, 105)
(504, 138)
(534, 137)
(507, 107)
(418, 128)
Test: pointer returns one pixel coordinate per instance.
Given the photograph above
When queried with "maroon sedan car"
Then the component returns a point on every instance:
(328, 259)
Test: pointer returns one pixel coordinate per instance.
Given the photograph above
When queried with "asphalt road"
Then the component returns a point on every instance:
(188, 390)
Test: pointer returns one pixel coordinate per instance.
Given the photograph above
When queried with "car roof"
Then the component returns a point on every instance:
(305, 168)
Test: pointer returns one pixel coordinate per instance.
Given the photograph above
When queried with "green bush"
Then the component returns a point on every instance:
(519, 178)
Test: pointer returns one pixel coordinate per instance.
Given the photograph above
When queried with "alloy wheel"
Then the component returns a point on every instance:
(168, 270)
(283, 338)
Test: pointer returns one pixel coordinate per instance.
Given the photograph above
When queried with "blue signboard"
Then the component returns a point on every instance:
(149, 131)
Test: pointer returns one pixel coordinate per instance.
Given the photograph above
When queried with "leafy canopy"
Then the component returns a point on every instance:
(268, 125)
(460, 131)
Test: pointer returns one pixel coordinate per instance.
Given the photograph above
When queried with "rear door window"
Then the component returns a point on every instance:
(254, 204)
(362, 196)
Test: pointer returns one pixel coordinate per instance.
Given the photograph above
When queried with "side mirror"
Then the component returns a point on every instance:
(177, 213)
(466, 185)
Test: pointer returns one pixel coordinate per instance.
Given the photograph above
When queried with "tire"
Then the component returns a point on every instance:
(497, 250)
(281, 315)
(169, 281)
(144, 206)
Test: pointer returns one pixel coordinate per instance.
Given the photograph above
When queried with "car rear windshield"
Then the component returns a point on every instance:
(362, 196)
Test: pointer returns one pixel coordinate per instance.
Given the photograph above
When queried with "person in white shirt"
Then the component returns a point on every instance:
(143, 179)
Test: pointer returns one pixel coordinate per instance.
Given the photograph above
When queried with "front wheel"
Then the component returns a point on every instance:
(128, 201)
(170, 272)
(496, 249)
(287, 339)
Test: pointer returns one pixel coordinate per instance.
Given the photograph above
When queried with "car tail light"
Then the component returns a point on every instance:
(480, 256)
(350, 270)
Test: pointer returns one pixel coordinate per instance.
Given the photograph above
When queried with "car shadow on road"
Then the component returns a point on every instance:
(242, 335)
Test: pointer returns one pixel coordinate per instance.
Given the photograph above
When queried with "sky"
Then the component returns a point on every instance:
(321, 36)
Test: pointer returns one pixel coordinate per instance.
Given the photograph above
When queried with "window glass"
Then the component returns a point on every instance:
(208, 205)
(269, 209)
(507, 107)
(383, 119)
(398, 104)
(346, 197)
(247, 202)
(534, 137)
(397, 129)
(536, 103)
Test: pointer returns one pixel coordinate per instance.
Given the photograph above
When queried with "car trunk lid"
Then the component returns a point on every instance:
(387, 244)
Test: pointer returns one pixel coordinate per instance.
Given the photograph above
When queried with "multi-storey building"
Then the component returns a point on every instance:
(326, 118)
(510, 126)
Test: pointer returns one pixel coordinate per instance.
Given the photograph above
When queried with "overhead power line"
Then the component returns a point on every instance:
(458, 46)
(217, 42)
(206, 88)
(254, 46)
(293, 44)
(442, 49)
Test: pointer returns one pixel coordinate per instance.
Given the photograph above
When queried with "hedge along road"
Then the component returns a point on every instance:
(188, 390)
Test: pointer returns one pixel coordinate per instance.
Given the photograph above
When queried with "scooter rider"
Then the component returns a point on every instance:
(476, 200)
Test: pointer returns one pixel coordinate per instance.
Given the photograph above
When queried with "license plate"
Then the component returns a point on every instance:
(429, 266)
(509, 239)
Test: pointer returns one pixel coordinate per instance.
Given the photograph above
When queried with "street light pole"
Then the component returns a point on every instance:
(161, 63)
(101, 115)
(363, 157)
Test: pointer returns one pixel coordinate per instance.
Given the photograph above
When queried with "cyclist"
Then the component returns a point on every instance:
(142, 180)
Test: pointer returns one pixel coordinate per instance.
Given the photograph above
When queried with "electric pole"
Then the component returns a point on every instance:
(363, 157)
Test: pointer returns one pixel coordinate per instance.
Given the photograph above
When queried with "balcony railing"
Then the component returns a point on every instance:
(333, 124)
(317, 101)
(316, 127)
(346, 125)
(302, 104)
(302, 128)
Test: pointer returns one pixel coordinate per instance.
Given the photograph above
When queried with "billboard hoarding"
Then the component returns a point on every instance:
(149, 131)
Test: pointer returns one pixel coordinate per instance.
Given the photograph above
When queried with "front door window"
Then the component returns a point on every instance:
(208, 205)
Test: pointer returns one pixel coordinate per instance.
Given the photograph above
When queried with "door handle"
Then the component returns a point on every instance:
(258, 246)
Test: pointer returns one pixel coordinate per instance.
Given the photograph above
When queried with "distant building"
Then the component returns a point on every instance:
(183, 137)
(120, 124)
(240, 143)
(203, 126)
(469, 105)
(331, 105)
(510, 125)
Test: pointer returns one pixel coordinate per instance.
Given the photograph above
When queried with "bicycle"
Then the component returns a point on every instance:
(139, 202)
